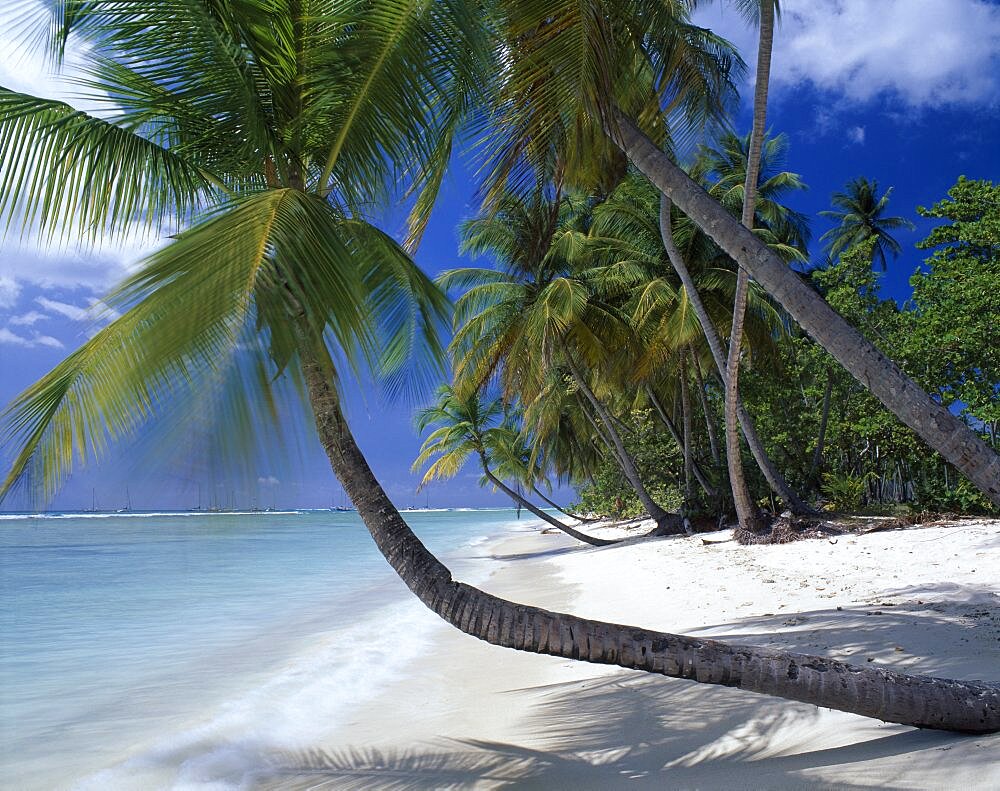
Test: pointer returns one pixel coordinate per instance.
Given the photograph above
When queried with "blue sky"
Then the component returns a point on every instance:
(902, 91)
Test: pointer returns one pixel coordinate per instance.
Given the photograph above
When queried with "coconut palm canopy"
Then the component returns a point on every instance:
(860, 215)
(268, 136)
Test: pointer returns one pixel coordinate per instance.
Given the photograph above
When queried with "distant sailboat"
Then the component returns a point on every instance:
(343, 507)
(128, 503)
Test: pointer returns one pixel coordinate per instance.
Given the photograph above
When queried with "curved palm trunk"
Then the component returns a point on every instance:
(968, 706)
(665, 521)
(774, 478)
(699, 474)
(559, 508)
(528, 505)
(940, 429)
(746, 511)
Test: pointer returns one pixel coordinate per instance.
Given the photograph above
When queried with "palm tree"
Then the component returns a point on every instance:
(537, 313)
(566, 70)
(515, 458)
(463, 431)
(668, 317)
(860, 215)
(285, 267)
(745, 511)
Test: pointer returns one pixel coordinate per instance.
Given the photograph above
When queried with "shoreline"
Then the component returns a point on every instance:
(468, 714)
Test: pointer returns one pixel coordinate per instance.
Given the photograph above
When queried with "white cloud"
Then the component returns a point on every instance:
(26, 67)
(74, 312)
(856, 134)
(924, 53)
(96, 269)
(27, 319)
(47, 340)
(13, 339)
(10, 290)
(270, 480)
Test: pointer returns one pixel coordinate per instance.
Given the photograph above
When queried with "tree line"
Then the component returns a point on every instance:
(599, 370)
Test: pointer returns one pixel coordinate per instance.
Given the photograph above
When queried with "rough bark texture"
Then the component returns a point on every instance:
(746, 511)
(774, 478)
(527, 504)
(969, 706)
(944, 432)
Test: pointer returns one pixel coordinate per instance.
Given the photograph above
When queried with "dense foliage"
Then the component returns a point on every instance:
(613, 320)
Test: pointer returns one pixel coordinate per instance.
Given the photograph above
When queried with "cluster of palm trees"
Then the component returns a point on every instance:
(588, 319)
(269, 130)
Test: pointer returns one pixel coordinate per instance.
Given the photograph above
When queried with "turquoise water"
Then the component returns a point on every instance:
(177, 649)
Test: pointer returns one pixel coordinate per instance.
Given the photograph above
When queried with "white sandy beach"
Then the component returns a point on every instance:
(469, 715)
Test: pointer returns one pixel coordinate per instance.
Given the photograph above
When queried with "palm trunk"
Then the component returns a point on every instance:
(948, 435)
(664, 520)
(686, 423)
(967, 706)
(529, 506)
(774, 478)
(746, 511)
(559, 508)
(821, 438)
(713, 443)
(665, 419)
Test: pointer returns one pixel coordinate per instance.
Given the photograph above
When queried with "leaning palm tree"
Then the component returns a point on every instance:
(860, 216)
(464, 429)
(516, 459)
(285, 273)
(598, 61)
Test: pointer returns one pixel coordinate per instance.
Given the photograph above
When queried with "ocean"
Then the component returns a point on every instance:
(174, 650)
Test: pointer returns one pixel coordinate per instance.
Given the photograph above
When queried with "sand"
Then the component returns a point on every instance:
(470, 715)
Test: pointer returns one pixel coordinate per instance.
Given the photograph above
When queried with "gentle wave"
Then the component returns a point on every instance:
(302, 704)
(167, 650)
(143, 514)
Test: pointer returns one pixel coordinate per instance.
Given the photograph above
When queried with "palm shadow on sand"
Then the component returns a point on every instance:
(640, 731)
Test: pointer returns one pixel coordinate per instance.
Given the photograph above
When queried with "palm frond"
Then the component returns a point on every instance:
(74, 175)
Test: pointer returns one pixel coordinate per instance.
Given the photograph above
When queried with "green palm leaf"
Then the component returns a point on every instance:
(72, 174)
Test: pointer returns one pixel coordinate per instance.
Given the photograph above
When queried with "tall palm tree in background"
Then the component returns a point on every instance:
(860, 215)
(669, 314)
(270, 127)
(746, 511)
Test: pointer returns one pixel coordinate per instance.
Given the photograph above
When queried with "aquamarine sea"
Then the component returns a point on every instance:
(179, 648)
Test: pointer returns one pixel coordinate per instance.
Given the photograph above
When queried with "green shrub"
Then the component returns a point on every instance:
(845, 490)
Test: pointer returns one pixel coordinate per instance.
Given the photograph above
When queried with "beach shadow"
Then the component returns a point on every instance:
(648, 733)
(543, 553)
(636, 730)
(360, 769)
(579, 547)
(943, 629)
